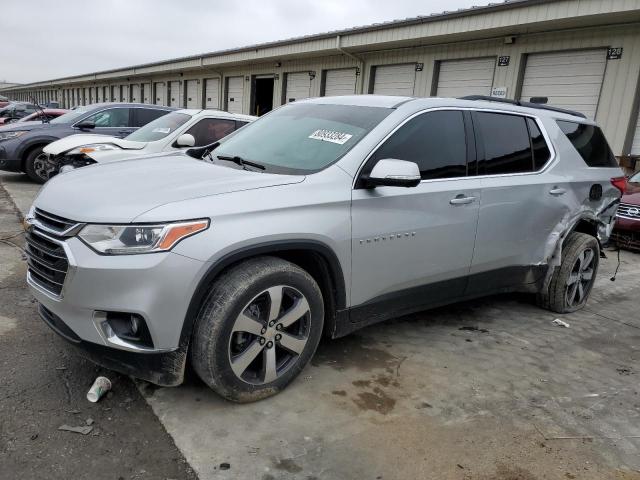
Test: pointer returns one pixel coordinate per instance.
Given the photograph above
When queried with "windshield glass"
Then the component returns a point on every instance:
(159, 128)
(302, 138)
(72, 116)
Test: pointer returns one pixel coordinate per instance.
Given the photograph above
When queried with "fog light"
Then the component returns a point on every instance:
(127, 330)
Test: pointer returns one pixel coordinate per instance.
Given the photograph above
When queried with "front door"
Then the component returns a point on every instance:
(412, 247)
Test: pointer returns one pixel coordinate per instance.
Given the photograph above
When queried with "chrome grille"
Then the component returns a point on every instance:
(627, 210)
(54, 224)
(47, 261)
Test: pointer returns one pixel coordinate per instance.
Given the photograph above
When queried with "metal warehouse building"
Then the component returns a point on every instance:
(581, 54)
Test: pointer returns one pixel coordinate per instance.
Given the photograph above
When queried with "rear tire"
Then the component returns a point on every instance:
(257, 329)
(32, 168)
(572, 281)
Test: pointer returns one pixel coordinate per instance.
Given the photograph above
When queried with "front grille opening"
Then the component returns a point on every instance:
(53, 222)
(629, 211)
(46, 261)
(130, 327)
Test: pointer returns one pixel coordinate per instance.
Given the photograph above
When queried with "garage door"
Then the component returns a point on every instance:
(161, 93)
(124, 93)
(212, 93)
(394, 79)
(174, 94)
(135, 93)
(457, 78)
(340, 82)
(87, 96)
(635, 146)
(146, 94)
(298, 86)
(235, 94)
(569, 79)
(192, 94)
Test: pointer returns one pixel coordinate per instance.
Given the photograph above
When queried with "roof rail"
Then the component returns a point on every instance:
(540, 106)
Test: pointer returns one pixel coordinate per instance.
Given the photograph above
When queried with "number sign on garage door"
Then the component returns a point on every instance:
(394, 79)
(635, 146)
(161, 93)
(298, 86)
(212, 93)
(340, 82)
(235, 94)
(457, 78)
(570, 79)
(193, 100)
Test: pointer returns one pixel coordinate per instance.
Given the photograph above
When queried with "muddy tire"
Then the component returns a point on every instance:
(31, 168)
(257, 329)
(572, 281)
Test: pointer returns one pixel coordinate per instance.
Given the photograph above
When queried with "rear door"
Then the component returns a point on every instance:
(210, 130)
(522, 202)
(412, 247)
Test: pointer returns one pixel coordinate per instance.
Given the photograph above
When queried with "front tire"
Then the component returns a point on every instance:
(34, 167)
(572, 281)
(257, 329)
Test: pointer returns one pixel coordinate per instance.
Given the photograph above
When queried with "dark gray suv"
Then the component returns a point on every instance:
(21, 144)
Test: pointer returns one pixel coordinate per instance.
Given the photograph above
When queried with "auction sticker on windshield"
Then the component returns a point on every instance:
(161, 130)
(331, 136)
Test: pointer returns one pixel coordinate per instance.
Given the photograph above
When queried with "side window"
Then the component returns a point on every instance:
(209, 130)
(114, 117)
(436, 141)
(146, 115)
(541, 153)
(506, 143)
(590, 143)
(240, 124)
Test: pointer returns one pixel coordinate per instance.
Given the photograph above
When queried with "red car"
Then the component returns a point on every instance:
(627, 229)
(50, 113)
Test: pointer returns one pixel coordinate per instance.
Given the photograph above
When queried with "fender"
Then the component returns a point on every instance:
(26, 144)
(335, 272)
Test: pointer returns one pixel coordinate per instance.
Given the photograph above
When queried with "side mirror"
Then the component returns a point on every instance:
(86, 125)
(390, 172)
(185, 140)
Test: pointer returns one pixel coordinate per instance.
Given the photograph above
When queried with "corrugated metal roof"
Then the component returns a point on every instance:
(433, 17)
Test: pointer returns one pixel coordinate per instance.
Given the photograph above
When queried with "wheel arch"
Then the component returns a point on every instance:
(28, 148)
(317, 258)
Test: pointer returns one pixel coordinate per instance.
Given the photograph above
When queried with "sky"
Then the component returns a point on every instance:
(47, 39)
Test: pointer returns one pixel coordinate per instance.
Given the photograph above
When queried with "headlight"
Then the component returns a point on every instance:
(98, 147)
(131, 239)
(10, 135)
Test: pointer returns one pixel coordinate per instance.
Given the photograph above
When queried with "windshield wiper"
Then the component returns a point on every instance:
(240, 161)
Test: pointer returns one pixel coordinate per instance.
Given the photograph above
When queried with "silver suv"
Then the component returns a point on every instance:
(320, 218)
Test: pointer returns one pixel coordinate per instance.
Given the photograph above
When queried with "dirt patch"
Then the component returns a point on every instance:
(377, 400)
(287, 465)
(353, 351)
(340, 393)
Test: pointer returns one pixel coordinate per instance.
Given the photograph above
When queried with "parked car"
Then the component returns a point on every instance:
(176, 130)
(15, 111)
(48, 113)
(22, 144)
(627, 229)
(320, 218)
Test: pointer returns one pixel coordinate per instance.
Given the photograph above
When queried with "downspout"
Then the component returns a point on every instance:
(360, 60)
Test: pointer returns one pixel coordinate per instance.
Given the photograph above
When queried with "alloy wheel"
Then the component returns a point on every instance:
(40, 166)
(581, 278)
(269, 335)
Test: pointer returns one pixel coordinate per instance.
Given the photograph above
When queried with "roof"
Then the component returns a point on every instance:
(218, 113)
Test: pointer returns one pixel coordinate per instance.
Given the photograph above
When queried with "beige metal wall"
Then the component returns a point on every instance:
(615, 111)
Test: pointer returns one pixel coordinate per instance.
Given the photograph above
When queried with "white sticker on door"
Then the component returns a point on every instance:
(331, 136)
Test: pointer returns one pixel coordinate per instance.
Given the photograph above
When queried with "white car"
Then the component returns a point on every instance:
(175, 131)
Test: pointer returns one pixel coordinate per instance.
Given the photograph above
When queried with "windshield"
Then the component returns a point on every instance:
(302, 138)
(71, 116)
(159, 128)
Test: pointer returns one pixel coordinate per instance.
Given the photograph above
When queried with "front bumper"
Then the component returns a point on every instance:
(157, 286)
(626, 233)
(7, 164)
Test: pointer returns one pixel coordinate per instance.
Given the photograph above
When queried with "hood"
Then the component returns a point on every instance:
(26, 126)
(632, 194)
(74, 141)
(121, 191)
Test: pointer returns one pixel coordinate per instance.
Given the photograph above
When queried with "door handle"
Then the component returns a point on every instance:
(557, 191)
(462, 200)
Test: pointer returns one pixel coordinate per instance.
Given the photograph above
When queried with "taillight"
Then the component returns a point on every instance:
(620, 183)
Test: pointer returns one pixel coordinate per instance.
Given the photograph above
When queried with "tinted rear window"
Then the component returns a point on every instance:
(505, 138)
(590, 143)
(541, 153)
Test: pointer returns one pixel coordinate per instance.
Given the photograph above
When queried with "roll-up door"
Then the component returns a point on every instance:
(161, 93)
(635, 146)
(124, 93)
(212, 93)
(135, 93)
(99, 97)
(175, 99)
(298, 86)
(146, 94)
(193, 101)
(570, 79)
(87, 96)
(340, 82)
(457, 78)
(394, 79)
(235, 94)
